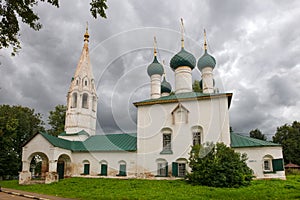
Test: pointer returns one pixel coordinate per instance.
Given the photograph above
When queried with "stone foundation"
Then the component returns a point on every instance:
(51, 177)
(24, 178)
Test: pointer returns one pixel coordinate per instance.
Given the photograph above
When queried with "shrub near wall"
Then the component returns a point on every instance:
(218, 166)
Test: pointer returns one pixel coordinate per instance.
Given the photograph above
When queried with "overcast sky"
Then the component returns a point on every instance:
(256, 45)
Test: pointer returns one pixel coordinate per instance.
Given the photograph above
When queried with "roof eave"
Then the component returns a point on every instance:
(159, 101)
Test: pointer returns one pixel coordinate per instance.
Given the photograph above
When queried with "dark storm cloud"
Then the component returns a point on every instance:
(256, 45)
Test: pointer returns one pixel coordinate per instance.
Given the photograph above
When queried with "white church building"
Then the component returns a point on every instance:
(168, 124)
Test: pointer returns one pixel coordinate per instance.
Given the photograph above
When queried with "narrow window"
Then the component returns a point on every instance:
(162, 168)
(85, 101)
(122, 170)
(85, 82)
(166, 142)
(267, 166)
(103, 170)
(74, 100)
(267, 163)
(181, 169)
(196, 138)
(77, 82)
(86, 169)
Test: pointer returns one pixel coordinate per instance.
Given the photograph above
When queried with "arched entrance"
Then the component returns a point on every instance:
(39, 165)
(63, 166)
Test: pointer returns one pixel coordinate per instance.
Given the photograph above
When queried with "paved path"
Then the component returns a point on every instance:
(8, 194)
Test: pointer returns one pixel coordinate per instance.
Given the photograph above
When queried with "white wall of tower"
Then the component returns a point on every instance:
(207, 80)
(155, 86)
(183, 79)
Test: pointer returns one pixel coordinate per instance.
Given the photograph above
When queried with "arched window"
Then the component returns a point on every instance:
(85, 100)
(179, 168)
(166, 141)
(268, 163)
(74, 100)
(103, 165)
(122, 169)
(197, 134)
(86, 167)
(162, 167)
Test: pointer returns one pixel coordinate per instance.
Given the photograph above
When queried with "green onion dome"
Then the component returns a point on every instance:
(165, 86)
(155, 68)
(183, 58)
(206, 61)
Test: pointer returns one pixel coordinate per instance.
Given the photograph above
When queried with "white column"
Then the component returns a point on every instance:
(207, 80)
(155, 86)
(183, 79)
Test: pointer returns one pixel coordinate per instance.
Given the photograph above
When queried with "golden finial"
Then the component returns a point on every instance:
(155, 46)
(86, 35)
(205, 44)
(182, 32)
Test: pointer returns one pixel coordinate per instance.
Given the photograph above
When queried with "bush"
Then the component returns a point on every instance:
(218, 166)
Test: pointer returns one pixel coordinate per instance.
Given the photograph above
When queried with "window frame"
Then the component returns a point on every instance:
(85, 101)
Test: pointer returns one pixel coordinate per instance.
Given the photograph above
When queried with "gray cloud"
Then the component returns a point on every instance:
(256, 45)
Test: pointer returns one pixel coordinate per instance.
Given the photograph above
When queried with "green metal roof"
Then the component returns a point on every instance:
(109, 142)
(187, 96)
(241, 141)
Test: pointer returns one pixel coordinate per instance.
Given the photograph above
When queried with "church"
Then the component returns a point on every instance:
(168, 124)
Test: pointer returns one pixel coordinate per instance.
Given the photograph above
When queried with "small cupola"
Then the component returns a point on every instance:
(206, 60)
(155, 67)
(183, 57)
(165, 86)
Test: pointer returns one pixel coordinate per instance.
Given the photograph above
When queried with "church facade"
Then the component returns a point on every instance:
(168, 124)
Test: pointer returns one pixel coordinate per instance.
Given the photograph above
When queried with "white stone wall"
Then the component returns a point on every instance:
(256, 160)
(111, 158)
(40, 145)
(210, 114)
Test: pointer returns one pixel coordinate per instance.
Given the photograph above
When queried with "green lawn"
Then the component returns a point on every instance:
(92, 188)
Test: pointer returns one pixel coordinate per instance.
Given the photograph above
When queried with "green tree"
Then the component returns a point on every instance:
(257, 134)
(196, 86)
(289, 137)
(17, 125)
(57, 120)
(14, 11)
(218, 166)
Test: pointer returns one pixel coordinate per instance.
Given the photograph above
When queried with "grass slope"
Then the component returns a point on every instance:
(92, 188)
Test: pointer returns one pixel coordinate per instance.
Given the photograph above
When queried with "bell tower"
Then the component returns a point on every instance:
(82, 99)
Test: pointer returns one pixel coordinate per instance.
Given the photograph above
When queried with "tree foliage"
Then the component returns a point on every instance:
(56, 120)
(14, 11)
(257, 134)
(218, 166)
(196, 86)
(17, 125)
(289, 137)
